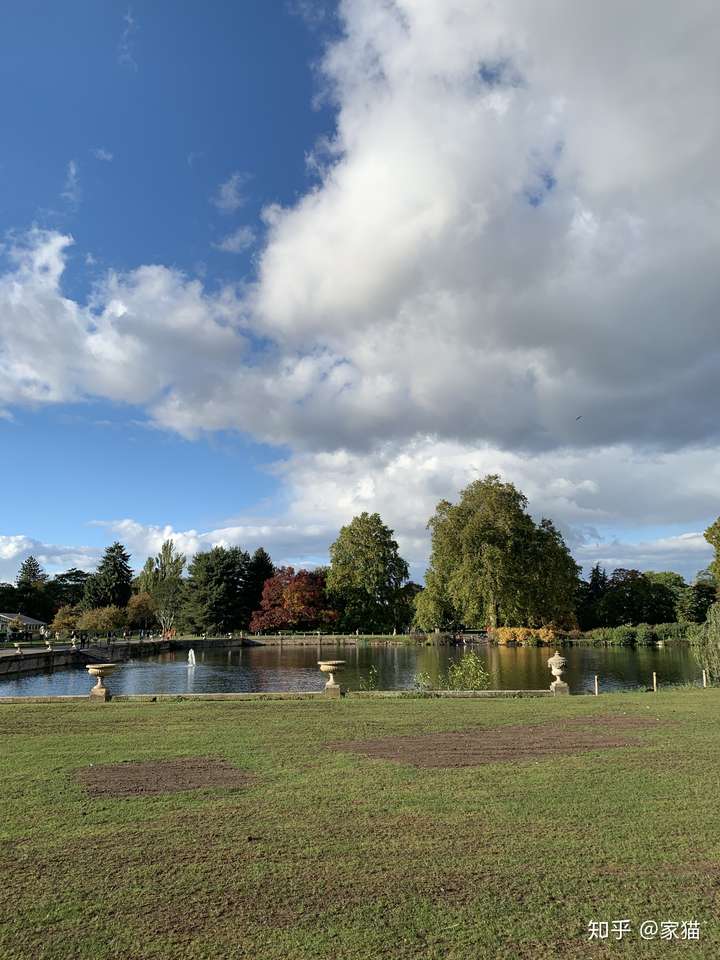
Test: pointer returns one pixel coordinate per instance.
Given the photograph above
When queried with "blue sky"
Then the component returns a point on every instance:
(182, 97)
(156, 105)
(268, 264)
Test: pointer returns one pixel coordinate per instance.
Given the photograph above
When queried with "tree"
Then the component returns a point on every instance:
(433, 608)
(216, 596)
(705, 640)
(161, 578)
(712, 535)
(30, 573)
(261, 569)
(111, 584)
(490, 563)
(102, 619)
(32, 595)
(296, 601)
(552, 579)
(590, 596)
(140, 611)
(66, 619)
(8, 598)
(68, 589)
(366, 576)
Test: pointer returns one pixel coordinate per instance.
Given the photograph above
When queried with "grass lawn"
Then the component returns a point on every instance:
(323, 853)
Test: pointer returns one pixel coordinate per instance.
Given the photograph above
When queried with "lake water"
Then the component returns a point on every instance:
(253, 669)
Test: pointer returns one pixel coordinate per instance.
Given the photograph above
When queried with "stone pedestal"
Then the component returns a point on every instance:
(556, 664)
(100, 692)
(331, 667)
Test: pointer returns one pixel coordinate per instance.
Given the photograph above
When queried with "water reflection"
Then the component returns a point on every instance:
(276, 668)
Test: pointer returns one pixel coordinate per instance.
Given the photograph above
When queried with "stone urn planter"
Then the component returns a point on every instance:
(557, 665)
(331, 667)
(100, 670)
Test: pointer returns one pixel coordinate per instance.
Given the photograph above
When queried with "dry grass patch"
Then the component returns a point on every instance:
(160, 776)
(503, 744)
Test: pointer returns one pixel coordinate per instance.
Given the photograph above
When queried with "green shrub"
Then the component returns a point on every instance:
(467, 673)
(371, 682)
(705, 640)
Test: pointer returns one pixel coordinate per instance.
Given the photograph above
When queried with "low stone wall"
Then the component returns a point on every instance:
(37, 662)
(300, 695)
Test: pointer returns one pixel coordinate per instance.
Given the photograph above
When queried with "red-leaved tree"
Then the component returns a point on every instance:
(294, 601)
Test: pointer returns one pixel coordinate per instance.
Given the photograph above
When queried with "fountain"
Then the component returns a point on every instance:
(332, 689)
(191, 658)
(100, 670)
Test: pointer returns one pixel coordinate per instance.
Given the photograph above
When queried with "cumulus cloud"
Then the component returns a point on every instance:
(238, 241)
(585, 494)
(481, 261)
(229, 195)
(17, 547)
(513, 225)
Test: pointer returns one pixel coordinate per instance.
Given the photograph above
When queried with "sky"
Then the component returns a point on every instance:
(265, 265)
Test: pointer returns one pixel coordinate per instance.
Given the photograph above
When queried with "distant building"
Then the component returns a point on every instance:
(30, 625)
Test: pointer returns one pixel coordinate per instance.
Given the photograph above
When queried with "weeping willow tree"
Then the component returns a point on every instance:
(705, 641)
(492, 565)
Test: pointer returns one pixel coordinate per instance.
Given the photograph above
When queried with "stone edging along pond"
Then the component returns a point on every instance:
(283, 695)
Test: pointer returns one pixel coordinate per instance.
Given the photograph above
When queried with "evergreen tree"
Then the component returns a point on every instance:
(261, 569)
(8, 598)
(110, 586)
(217, 591)
(366, 576)
(590, 596)
(30, 574)
(68, 589)
(33, 598)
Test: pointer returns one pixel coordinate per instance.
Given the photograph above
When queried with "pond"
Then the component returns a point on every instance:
(275, 668)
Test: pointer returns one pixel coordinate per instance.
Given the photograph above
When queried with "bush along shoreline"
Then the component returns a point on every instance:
(641, 635)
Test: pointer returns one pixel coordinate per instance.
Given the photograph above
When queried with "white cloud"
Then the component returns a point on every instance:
(101, 154)
(54, 558)
(513, 226)
(324, 491)
(229, 196)
(238, 241)
(126, 44)
(71, 189)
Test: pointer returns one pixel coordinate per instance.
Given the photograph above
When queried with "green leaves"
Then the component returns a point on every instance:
(491, 564)
(366, 576)
(111, 585)
(161, 579)
(712, 535)
(218, 595)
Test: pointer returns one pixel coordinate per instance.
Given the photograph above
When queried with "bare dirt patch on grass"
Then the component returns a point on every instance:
(503, 744)
(154, 777)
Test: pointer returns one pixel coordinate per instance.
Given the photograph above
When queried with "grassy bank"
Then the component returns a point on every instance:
(327, 852)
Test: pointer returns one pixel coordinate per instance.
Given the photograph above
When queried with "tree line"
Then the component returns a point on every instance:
(225, 589)
(491, 565)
